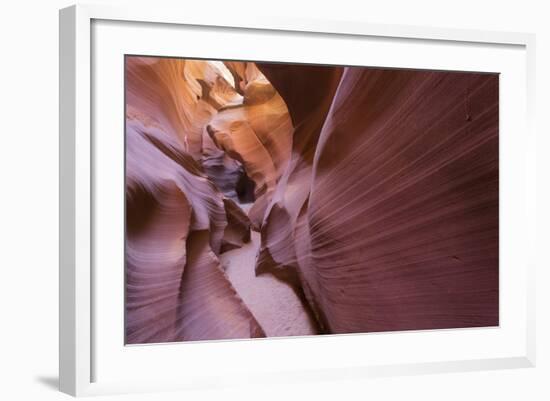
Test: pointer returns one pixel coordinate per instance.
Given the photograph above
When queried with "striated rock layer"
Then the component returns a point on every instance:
(183, 189)
(177, 220)
(388, 214)
(276, 199)
(257, 133)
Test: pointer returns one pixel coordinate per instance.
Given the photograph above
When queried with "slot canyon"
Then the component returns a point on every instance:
(273, 199)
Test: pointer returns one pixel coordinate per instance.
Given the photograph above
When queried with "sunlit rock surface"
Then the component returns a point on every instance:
(183, 193)
(257, 133)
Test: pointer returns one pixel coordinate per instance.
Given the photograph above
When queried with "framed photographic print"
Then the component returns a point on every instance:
(301, 200)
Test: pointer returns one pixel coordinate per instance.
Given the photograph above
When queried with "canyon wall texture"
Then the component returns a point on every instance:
(396, 225)
(278, 199)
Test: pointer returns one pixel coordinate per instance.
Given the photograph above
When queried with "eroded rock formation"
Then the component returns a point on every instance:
(364, 199)
(257, 133)
(395, 222)
(182, 190)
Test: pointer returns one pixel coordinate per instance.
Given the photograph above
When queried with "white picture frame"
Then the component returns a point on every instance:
(78, 163)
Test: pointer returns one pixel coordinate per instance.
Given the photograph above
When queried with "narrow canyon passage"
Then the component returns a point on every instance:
(218, 136)
(273, 199)
(273, 303)
(244, 155)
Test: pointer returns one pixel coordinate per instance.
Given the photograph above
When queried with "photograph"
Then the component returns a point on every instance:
(279, 199)
(291, 200)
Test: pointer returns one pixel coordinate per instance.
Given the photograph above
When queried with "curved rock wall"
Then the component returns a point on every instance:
(197, 152)
(178, 221)
(395, 222)
(366, 198)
